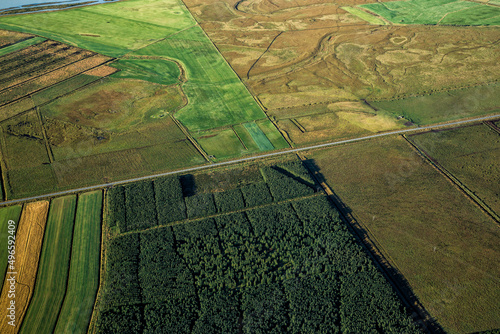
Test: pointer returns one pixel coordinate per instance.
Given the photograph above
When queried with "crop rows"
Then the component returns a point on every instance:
(44, 64)
(51, 78)
(65, 264)
(282, 268)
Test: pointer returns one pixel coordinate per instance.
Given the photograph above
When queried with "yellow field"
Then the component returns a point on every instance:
(29, 239)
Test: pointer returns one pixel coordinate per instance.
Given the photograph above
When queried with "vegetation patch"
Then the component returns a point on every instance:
(83, 279)
(20, 45)
(444, 12)
(364, 15)
(221, 144)
(154, 70)
(6, 214)
(470, 154)
(422, 224)
(445, 106)
(122, 26)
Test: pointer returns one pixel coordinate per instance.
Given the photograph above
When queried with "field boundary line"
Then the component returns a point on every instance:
(250, 158)
(47, 73)
(44, 134)
(41, 89)
(377, 253)
(191, 139)
(454, 180)
(219, 214)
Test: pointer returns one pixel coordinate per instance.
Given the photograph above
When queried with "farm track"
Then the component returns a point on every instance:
(251, 158)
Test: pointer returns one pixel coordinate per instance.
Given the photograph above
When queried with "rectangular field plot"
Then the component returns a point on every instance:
(38, 83)
(471, 154)
(446, 248)
(52, 276)
(11, 37)
(83, 279)
(29, 238)
(258, 136)
(444, 12)
(221, 144)
(6, 214)
(445, 106)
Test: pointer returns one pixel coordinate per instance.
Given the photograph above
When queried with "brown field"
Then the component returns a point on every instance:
(28, 245)
(295, 55)
(445, 246)
(101, 71)
(11, 37)
(38, 83)
(46, 61)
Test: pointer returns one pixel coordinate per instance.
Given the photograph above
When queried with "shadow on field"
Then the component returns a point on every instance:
(401, 286)
(188, 185)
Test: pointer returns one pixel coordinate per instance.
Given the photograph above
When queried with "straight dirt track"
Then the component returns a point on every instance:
(254, 157)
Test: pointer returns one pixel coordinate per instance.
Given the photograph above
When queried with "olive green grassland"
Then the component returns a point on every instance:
(471, 154)
(8, 213)
(446, 248)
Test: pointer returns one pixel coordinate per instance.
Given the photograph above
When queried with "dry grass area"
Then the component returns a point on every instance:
(297, 54)
(447, 248)
(11, 37)
(29, 239)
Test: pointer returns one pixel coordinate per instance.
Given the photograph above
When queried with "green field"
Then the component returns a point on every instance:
(216, 95)
(50, 287)
(445, 106)
(242, 132)
(471, 154)
(20, 45)
(222, 144)
(258, 136)
(154, 70)
(364, 15)
(443, 12)
(133, 25)
(83, 280)
(273, 134)
(446, 248)
(6, 214)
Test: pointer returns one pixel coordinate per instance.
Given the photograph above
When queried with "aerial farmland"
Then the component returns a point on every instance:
(251, 166)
